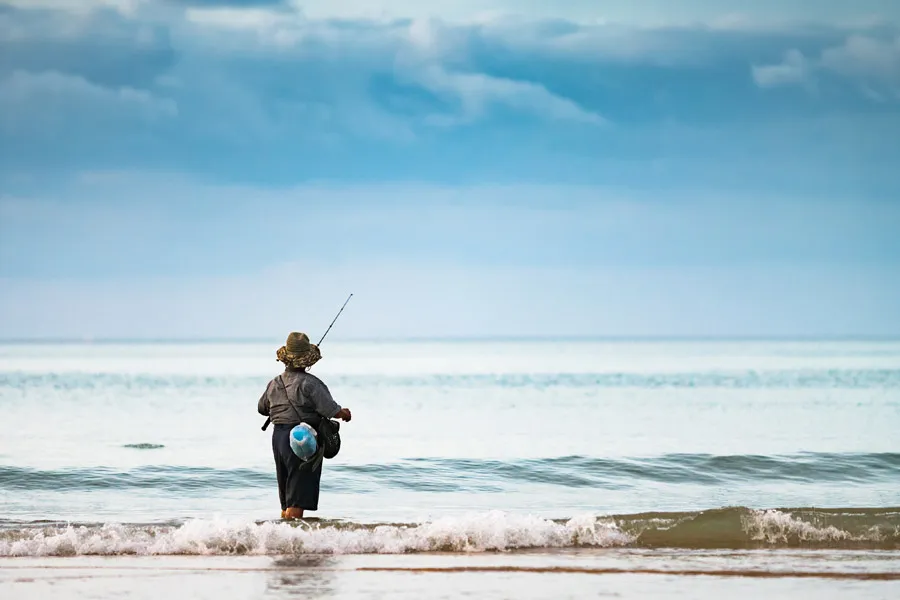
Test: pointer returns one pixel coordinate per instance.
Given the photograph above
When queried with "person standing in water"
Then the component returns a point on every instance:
(297, 396)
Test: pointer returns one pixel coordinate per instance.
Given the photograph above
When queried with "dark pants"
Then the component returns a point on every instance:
(296, 488)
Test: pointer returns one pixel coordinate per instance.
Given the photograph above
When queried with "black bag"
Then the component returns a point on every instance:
(329, 437)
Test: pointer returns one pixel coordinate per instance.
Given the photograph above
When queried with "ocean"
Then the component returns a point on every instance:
(499, 469)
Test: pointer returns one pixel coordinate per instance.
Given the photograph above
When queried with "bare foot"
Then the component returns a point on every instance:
(293, 513)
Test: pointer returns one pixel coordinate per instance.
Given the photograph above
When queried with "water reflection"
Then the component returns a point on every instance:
(302, 575)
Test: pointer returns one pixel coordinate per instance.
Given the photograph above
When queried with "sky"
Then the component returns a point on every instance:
(177, 169)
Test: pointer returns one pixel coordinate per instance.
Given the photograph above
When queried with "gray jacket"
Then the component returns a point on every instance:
(311, 399)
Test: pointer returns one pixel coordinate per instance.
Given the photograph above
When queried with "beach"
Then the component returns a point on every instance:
(583, 574)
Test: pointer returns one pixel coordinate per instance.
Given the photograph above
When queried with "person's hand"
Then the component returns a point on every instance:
(343, 414)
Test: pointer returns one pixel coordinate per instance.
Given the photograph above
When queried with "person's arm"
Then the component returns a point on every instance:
(320, 396)
(263, 405)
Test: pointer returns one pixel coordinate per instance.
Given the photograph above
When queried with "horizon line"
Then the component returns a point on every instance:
(464, 339)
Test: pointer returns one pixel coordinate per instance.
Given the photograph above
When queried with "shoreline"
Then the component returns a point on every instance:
(778, 574)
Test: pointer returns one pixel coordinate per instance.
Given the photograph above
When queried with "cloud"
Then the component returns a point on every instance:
(59, 97)
(231, 16)
(101, 46)
(866, 58)
(477, 92)
(871, 64)
(273, 93)
(125, 7)
(412, 54)
(794, 69)
(654, 13)
(232, 3)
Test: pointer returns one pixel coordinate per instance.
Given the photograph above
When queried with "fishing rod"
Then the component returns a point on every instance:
(335, 319)
(269, 420)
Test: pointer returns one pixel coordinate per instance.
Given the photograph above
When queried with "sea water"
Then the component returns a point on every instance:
(463, 447)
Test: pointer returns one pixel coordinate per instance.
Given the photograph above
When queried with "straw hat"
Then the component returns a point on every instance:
(298, 352)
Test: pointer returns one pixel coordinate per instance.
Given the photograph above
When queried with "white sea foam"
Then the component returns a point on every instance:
(476, 532)
(494, 531)
(775, 527)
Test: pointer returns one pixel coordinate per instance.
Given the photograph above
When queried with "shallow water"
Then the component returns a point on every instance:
(600, 451)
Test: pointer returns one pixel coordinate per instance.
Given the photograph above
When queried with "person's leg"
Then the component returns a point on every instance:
(304, 486)
(293, 488)
(288, 468)
(280, 468)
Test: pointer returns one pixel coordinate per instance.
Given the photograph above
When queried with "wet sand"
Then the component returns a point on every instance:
(567, 574)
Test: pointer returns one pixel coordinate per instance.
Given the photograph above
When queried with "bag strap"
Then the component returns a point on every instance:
(290, 400)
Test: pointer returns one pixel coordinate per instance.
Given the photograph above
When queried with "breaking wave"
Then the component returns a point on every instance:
(726, 528)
